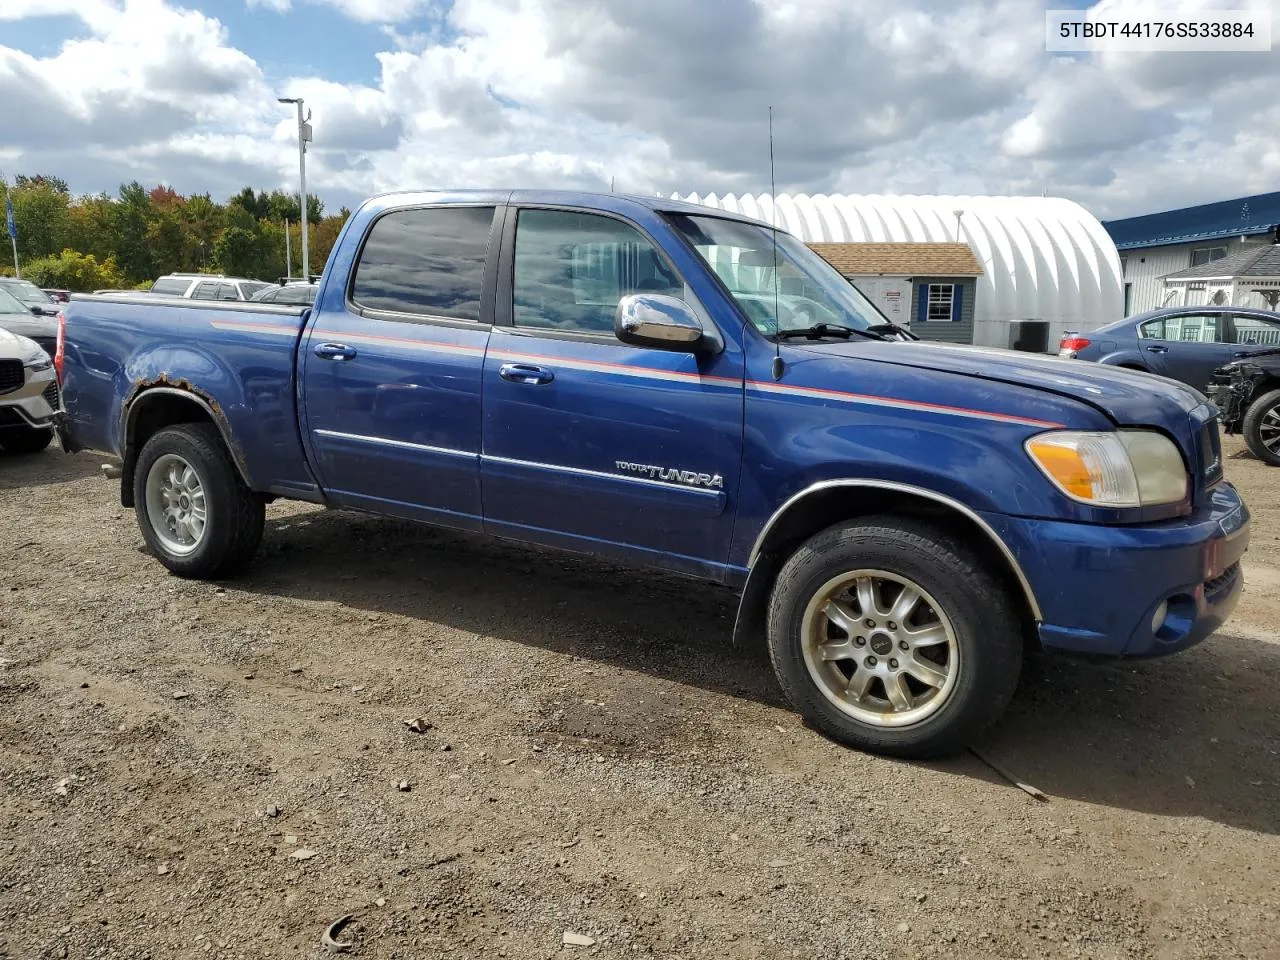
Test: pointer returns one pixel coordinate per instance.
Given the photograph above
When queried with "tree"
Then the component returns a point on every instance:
(236, 252)
(40, 215)
(130, 221)
(57, 183)
(70, 270)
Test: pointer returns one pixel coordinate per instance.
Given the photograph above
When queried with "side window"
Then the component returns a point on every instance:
(571, 269)
(270, 296)
(1253, 330)
(1190, 328)
(205, 291)
(171, 286)
(227, 291)
(426, 262)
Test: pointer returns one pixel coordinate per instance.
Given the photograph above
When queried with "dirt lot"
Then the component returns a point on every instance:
(599, 760)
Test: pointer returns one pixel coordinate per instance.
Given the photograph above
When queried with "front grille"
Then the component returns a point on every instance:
(51, 396)
(1222, 580)
(12, 375)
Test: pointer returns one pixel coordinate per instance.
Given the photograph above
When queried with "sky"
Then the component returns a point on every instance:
(659, 96)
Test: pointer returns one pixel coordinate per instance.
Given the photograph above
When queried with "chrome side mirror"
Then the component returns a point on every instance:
(659, 321)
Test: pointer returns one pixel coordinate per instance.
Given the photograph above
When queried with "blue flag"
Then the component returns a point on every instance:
(8, 216)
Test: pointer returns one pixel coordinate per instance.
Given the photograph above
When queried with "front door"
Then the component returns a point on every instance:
(1187, 346)
(391, 372)
(591, 444)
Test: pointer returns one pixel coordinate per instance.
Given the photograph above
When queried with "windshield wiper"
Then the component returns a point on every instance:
(891, 327)
(820, 330)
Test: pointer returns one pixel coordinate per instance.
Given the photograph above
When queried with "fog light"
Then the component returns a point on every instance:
(1161, 614)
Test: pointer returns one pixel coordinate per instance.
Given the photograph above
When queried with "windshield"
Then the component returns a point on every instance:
(808, 290)
(27, 292)
(10, 305)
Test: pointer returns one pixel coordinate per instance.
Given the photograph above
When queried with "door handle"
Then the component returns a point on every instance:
(525, 373)
(1158, 349)
(335, 351)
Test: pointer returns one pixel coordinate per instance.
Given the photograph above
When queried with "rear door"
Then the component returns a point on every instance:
(590, 443)
(391, 366)
(1254, 333)
(1187, 346)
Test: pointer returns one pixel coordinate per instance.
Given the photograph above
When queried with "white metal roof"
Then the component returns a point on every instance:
(1045, 258)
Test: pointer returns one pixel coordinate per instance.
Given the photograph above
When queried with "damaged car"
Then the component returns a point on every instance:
(1247, 391)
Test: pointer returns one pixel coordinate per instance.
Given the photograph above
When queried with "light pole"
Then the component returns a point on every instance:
(304, 134)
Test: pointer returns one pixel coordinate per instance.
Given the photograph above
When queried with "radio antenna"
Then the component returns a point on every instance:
(773, 209)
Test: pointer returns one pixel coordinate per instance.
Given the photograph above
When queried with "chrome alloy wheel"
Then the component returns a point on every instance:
(1269, 429)
(176, 504)
(880, 648)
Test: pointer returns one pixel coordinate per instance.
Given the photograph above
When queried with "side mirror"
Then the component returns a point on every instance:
(657, 320)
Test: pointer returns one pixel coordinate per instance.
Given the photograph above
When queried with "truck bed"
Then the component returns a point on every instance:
(237, 358)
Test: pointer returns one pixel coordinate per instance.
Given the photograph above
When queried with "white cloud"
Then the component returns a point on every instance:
(922, 96)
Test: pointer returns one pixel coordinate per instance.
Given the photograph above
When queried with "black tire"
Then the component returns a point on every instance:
(1266, 407)
(986, 629)
(235, 514)
(25, 439)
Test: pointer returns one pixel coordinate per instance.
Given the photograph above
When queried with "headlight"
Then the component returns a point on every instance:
(1126, 468)
(38, 362)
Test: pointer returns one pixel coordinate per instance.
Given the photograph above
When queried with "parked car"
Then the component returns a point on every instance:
(61, 296)
(1184, 343)
(620, 376)
(16, 317)
(299, 293)
(29, 394)
(35, 299)
(206, 286)
(1247, 392)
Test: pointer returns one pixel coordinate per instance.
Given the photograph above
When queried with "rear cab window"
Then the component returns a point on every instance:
(172, 286)
(426, 262)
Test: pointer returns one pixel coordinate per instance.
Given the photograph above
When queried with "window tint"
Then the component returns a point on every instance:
(1190, 328)
(1254, 330)
(206, 291)
(267, 296)
(173, 286)
(249, 289)
(571, 269)
(425, 262)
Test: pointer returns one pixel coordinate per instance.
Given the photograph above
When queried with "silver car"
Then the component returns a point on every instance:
(29, 394)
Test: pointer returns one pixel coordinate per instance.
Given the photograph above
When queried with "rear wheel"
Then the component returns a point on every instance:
(1262, 428)
(196, 514)
(25, 439)
(891, 636)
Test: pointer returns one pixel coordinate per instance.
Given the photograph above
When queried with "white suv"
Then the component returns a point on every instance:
(207, 286)
(29, 394)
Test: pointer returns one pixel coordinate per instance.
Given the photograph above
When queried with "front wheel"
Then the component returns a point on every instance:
(26, 439)
(1261, 428)
(196, 514)
(891, 636)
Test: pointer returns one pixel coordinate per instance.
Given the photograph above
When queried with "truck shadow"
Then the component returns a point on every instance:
(1195, 735)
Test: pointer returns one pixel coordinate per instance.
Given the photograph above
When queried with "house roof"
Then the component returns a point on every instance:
(1260, 261)
(1243, 216)
(907, 259)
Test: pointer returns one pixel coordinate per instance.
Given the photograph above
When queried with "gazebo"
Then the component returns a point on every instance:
(1250, 278)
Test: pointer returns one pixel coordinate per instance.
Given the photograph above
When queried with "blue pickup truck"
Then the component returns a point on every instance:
(663, 384)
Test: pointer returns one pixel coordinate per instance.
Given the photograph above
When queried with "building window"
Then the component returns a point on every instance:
(1124, 266)
(941, 297)
(1203, 255)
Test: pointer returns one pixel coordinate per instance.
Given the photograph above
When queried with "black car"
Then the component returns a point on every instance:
(16, 317)
(1247, 392)
(32, 297)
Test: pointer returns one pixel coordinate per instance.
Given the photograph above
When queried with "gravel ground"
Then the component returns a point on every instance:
(195, 770)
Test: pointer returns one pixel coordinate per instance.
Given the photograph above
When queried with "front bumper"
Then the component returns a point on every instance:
(33, 405)
(1101, 587)
(1229, 398)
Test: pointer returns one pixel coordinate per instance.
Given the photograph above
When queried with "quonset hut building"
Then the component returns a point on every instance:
(1041, 258)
